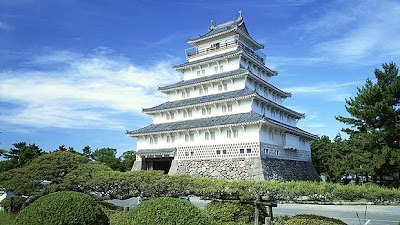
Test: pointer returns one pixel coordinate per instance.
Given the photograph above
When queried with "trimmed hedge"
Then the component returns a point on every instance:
(63, 208)
(308, 219)
(166, 211)
(230, 213)
(114, 184)
(18, 202)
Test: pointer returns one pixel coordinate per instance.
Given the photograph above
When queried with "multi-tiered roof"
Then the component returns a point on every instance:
(237, 50)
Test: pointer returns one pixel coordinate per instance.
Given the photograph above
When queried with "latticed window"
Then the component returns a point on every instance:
(223, 108)
(235, 133)
(228, 133)
(221, 68)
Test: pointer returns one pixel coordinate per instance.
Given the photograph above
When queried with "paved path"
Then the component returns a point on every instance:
(376, 214)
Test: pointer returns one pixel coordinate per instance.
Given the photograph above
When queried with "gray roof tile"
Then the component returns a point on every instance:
(156, 151)
(200, 100)
(236, 51)
(198, 123)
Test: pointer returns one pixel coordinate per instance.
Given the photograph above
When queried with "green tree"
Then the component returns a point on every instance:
(54, 166)
(375, 120)
(127, 159)
(107, 156)
(87, 151)
(320, 153)
(22, 153)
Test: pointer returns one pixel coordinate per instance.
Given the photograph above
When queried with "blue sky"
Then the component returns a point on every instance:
(79, 72)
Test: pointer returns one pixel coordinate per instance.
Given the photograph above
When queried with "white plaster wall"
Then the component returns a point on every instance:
(244, 64)
(271, 135)
(265, 92)
(232, 85)
(209, 70)
(248, 134)
(273, 113)
(242, 106)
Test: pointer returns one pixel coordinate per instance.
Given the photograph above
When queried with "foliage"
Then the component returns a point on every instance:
(53, 167)
(17, 203)
(308, 219)
(22, 153)
(63, 208)
(233, 212)
(114, 184)
(166, 210)
(7, 219)
(127, 159)
(6, 165)
(375, 123)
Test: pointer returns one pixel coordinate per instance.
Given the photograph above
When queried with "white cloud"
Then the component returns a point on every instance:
(361, 31)
(331, 91)
(89, 91)
(317, 125)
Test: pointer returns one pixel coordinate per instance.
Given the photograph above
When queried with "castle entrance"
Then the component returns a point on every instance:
(163, 164)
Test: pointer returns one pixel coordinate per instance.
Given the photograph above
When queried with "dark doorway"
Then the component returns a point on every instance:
(163, 164)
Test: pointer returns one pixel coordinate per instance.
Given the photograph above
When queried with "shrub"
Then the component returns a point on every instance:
(165, 211)
(18, 202)
(308, 219)
(233, 212)
(63, 208)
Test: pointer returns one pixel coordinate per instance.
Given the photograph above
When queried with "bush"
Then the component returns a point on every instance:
(308, 219)
(233, 212)
(63, 208)
(165, 211)
(18, 202)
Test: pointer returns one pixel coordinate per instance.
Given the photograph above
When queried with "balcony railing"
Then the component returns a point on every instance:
(195, 52)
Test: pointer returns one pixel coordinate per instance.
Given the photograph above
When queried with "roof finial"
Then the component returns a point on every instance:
(212, 24)
(240, 13)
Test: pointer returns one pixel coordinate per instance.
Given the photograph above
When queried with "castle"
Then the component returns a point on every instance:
(225, 119)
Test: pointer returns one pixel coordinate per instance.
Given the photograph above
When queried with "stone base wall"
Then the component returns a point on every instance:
(231, 169)
(285, 170)
(257, 168)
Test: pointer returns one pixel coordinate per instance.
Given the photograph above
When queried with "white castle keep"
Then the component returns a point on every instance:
(224, 119)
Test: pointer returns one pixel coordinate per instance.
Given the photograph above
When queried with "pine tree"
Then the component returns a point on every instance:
(375, 112)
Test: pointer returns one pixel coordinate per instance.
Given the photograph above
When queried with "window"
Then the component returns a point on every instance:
(235, 133)
(223, 108)
(206, 136)
(153, 140)
(225, 87)
(218, 152)
(216, 69)
(241, 151)
(230, 108)
(198, 73)
(228, 133)
(200, 91)
(168, 116)
(184, 114)
(203, 72)
(265, 151)
(171, 139)
(212, 135)
(206, 90)
(248, 150)
(191, 153)
(203, 112)
(172, 115)
(183, 94)
(221, 68)
(277, 152)
(191, 137)
(220, 87)
(189, 113)
(215, 46)
(186, 153)
(188, 93)
(208, 110)
(223, 151)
